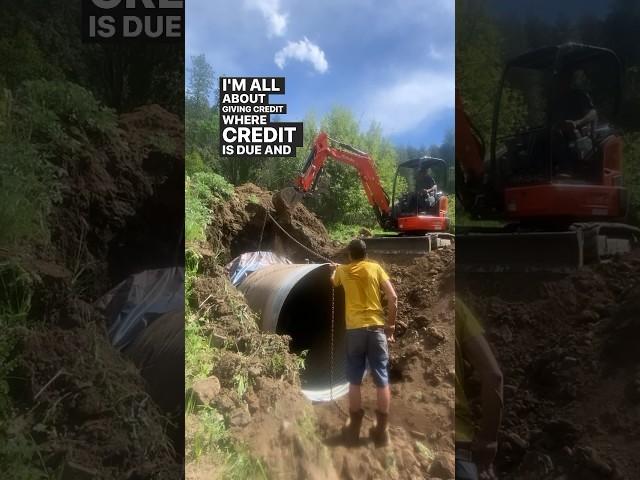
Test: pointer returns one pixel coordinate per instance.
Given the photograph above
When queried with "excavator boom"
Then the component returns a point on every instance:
(321, 151)
(412, 237)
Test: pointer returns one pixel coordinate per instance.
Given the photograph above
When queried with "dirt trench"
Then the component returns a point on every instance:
(568, 349)
(421, 370)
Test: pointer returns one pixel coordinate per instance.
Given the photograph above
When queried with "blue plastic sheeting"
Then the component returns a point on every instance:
(135, 303)
(247, 263)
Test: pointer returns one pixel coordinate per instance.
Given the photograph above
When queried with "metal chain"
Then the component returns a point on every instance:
(333, 318)
(264, 224)
(296, 241)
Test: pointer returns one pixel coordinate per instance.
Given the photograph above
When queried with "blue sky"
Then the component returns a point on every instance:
(388, 61)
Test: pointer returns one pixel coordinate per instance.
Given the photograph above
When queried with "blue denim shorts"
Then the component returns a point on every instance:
(367, 346)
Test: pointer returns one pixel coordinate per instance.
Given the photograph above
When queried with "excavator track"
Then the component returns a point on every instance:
(497, 250)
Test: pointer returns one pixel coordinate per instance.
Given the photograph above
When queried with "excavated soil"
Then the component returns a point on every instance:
(82, 402)
(270, 418)
(293, 438)
(243, 225)
(568, 347)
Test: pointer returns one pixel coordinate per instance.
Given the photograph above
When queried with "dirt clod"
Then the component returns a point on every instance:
(205, 391)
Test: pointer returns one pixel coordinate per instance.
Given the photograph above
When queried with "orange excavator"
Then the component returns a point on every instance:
(416, 211)
(551, 183)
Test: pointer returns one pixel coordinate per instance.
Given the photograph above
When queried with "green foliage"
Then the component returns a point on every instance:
(17, 448)
(43, 125)
(343, 233)
(241, 382)
(201, 82)
(22, 59)
(632, 173)
(28, 190)
(212, 438)
(202, 190)
(41, 40)
(199, 354)
(193, 163)
(59, 111)
(451, 211)
(18, 451)
(479, 61)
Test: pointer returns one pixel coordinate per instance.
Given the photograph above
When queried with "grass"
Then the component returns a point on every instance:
(343, 233)
(199, 355)
(202, 191)
(18, 451)
(211, 438)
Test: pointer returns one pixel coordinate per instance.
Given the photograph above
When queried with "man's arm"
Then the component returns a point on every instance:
(587, 105)
(479, 354)
(392, 308)
(334, 280)
(590, 117)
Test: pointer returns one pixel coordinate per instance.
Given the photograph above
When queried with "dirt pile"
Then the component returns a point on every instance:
(422, 382)
(84, 405)
(89, 410)
(240, 224)
(119, 213)
(568, 349)
(253, 380)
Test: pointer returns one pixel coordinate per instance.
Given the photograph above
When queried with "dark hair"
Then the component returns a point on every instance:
(357, 249)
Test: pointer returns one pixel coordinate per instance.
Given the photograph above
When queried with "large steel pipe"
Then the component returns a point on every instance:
(296, 300)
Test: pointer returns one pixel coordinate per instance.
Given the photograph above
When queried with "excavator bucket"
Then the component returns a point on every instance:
(289, 197)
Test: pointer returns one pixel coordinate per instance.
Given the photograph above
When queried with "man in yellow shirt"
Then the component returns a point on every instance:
(475, 451)
(366, 337)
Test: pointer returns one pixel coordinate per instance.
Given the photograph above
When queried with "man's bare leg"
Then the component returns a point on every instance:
(380, 433)
(384, 399)
(351, 431)
(355, 398)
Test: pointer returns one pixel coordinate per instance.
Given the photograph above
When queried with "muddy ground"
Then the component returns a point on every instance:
(293, 438)
(83, 405)
(568, 346)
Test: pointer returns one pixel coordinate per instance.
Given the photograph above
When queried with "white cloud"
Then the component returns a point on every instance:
(436, 53)
(410, 101)
(276, 20)
(303, 51)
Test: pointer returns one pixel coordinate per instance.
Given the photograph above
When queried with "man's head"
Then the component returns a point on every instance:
(357, 249)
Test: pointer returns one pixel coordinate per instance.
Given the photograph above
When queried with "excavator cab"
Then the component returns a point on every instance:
(417, 188)
(552, 140)
(552, 180)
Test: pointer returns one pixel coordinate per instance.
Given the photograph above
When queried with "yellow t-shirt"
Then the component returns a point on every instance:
(467, 326)
(362, 281)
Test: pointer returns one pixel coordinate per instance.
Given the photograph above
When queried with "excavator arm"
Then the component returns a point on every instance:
(323, 148)
(470, 153)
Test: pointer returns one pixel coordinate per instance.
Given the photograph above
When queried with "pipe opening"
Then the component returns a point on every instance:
(295, 300)
(306, 317)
